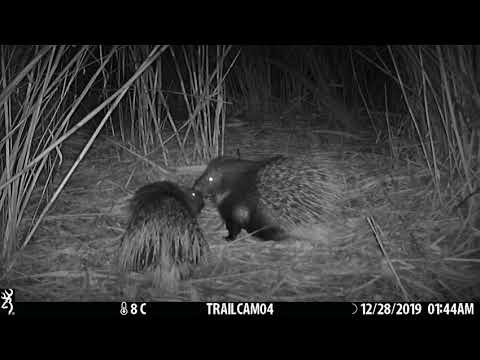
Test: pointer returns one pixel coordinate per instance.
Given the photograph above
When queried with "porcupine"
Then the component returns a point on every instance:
(274, 197)
(162, 232)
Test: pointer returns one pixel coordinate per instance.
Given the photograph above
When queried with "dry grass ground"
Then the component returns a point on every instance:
(393, 242)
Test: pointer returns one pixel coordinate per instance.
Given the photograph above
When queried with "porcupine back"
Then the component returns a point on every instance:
(149, 198)
(163, 229)
(299, 190)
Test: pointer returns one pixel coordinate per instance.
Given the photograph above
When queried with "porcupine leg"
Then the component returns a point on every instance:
(233, 228)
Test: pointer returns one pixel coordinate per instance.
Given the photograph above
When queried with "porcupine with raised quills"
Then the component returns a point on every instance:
(162, 231)
(275, 197)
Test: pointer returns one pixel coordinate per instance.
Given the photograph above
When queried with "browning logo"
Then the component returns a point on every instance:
(7, 297)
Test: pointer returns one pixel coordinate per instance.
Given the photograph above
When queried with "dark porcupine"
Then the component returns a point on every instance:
(162, 233)
(275, 197)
